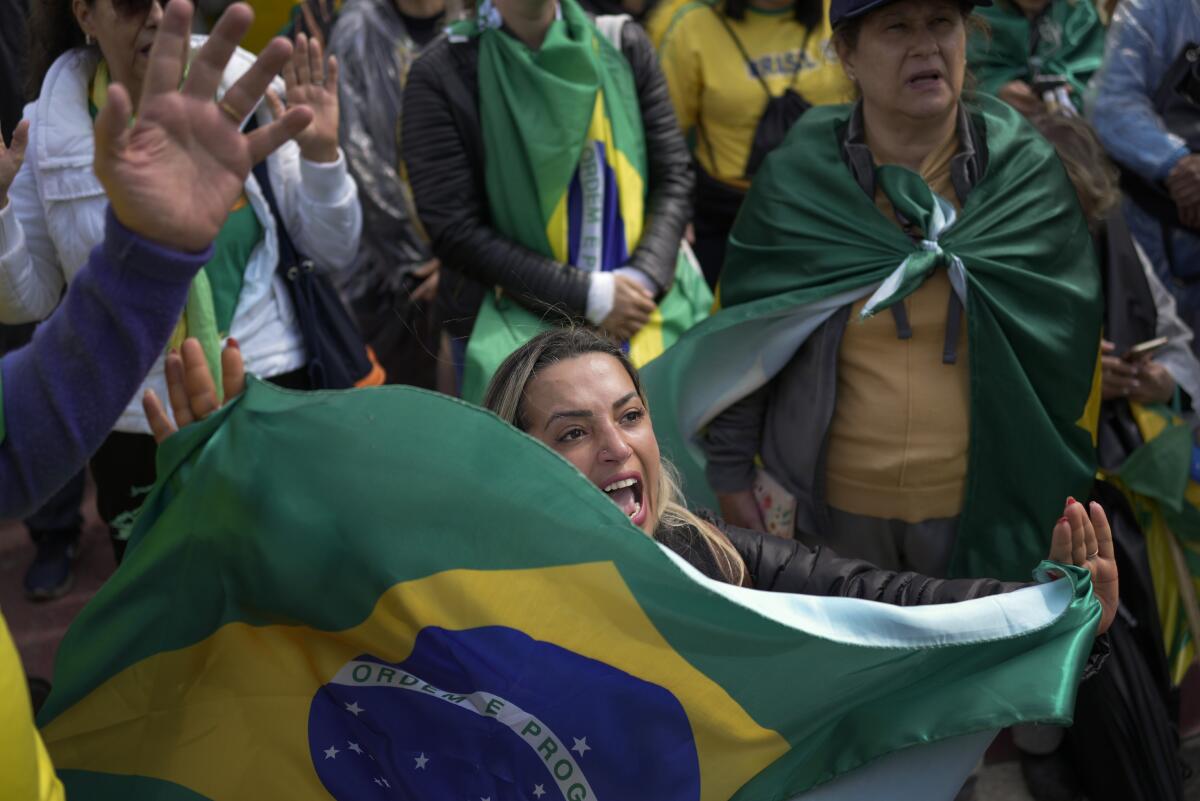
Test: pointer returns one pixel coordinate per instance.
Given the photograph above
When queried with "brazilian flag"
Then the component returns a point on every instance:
(389, 594)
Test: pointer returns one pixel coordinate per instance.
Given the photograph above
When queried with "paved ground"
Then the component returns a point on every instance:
(38, 628)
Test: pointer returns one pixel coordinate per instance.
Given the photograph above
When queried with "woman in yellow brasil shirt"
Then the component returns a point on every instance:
(723, 61)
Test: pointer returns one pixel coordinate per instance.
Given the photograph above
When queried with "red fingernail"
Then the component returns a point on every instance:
(1062, 519)
(232, 343)
(1071, 501)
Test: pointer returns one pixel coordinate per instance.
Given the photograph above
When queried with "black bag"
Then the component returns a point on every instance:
(337, 356)
(1177, 102)
(781, 112)
(777, 119)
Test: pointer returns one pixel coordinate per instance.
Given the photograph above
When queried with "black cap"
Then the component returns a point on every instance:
(842, 10)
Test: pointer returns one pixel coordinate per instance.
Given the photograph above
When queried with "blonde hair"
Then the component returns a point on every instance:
(1094, 177)
(505, 395)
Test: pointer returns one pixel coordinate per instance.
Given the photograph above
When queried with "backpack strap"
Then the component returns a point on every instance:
(289, 257)
(750, 65)
(803, 55)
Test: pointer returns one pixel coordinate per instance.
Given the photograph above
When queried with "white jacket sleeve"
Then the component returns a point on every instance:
(1177, 356)
(320, 202)
(31, 279)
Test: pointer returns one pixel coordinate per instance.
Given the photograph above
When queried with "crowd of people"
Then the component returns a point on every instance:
(896, 278)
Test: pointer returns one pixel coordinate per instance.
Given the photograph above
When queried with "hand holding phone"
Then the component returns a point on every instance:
(1144, 350)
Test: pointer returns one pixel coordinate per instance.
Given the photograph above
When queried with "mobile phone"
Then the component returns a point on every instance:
(1048, 83)
(1143, 349)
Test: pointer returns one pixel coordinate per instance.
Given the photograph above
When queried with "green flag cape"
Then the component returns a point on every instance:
(396, 617)
(809, 241)
(1071, 44)
(568, 108)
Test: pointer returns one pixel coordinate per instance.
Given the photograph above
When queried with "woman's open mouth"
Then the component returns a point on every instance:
(927, 79)
(627, 493)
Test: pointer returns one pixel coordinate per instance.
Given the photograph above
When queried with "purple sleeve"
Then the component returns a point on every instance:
(63, 392)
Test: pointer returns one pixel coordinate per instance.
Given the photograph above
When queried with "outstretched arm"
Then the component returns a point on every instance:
(1081, 537)
(1121, 108)
(63, 392)
(171, 180)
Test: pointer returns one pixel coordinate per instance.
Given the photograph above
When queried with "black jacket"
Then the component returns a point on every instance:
(780, 565)
(442, 150)
(13, 61)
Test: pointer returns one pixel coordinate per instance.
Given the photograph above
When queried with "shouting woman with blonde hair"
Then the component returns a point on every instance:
(577, 393)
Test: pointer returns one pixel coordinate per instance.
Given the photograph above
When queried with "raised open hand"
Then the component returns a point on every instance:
(312, 82)
(1082, 537)
(192, 390)
(316, 19)
(11, 158)
(173, 175)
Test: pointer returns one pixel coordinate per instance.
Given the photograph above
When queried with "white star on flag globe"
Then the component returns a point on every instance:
(354, 708)
(538, 790)
(355, 747)
(421, 760)
(331, 752)
(581, 745)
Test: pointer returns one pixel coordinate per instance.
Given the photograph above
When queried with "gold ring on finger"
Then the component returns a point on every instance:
(230, 112)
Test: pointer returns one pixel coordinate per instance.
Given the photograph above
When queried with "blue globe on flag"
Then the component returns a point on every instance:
(491, 714)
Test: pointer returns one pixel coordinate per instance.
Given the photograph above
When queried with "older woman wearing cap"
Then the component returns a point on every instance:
(904, 364)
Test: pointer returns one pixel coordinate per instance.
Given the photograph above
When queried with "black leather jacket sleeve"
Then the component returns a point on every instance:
(780, 565)
(669, 204)
(442, 148)
(732, 440)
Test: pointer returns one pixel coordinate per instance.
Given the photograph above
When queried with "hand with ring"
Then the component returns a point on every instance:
(174, 174)
(312, 82)
(1082, 537)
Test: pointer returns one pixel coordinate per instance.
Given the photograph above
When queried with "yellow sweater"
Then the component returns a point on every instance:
(898, 441)
(716, 93)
